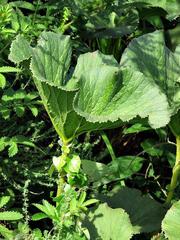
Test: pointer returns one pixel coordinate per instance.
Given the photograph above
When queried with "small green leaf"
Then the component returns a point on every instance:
(82, 198)
(151, 147)
(4, 200)
(126, 166)
(5, 112)
(3, 143)
(23, 140)
(10, 216)
(41, 207)
(7, 69)
(2, 81)
(50, 209)
(5, 232)
(22, 4)
(136, 128)
(39, 216)
(73, 205)
(98, 173)
(89, 202)
(34, 110)
(73, 164)
(20, 50)
(19, 110)
(13, 149)
(59, 162)
(19, 94)
(47, 208)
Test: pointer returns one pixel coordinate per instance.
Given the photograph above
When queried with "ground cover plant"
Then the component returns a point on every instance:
(90, 120)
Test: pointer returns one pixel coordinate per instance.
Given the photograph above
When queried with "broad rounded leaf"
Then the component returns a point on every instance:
(145, 213)
(171, 222)
(109, 224)
(108, 93)
(20, 50)
(172, 7)
(149, 55)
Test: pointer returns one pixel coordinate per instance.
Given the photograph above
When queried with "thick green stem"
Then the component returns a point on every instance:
(60, 186)
(61, 180)
(175, 172)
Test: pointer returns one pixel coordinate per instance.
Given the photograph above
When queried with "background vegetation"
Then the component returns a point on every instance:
(129, 167)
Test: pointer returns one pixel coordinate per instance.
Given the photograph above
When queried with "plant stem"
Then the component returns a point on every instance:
(61, 180)
(175, 172)
(60, 186)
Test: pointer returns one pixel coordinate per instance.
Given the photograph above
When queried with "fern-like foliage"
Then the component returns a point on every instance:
(7, 216)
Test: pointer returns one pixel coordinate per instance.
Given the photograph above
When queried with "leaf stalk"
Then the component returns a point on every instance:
(175, 173)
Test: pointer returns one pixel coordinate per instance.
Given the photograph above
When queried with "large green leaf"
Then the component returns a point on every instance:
(149, 55)
(99, 94)
(172, 7)
(49, 65)
(171, 222)
(108, 93)
(109, 224)
(145, 213)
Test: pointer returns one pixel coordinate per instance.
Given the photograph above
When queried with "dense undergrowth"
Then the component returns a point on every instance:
(89, 120)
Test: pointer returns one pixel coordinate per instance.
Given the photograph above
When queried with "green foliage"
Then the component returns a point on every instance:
(12, 144)
(120, 168)
(6, 70)
(67, 212)
(170, 224)
(89, 92)
(117, 104)
(172, 7)
(110, 223)
(17, 102)
(145, 219)
(7, 216)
